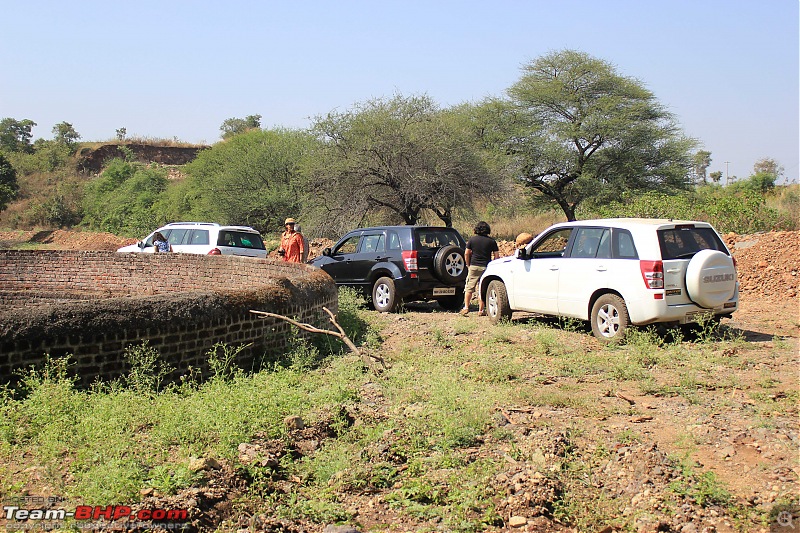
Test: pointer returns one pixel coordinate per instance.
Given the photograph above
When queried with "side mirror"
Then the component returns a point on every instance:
(522, 253)
(326, 252)
(141, 244)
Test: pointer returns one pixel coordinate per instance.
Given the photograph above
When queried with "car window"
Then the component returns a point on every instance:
(625, 249)
(250, 240)
(394, 241)
(178, 236)
(437, 238)
(604, 246)
(553, 245)
(684, 242)
(198, 237)
(372, 243)
(349, 246)
(587, 242)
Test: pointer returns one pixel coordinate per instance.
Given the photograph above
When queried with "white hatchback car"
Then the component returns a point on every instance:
(617, 272)
(205, 238)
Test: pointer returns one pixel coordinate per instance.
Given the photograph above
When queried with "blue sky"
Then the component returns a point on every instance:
(728, 69)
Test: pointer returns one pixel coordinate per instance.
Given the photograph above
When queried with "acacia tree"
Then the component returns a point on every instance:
(582, 131)
(396, 159)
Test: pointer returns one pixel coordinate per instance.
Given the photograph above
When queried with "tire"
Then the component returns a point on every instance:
(609, 318)
(497, 302)
(710, 278)
(449, 264)
(384, 295)
(452, 303)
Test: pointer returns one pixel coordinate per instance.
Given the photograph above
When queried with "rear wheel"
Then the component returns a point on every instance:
(384, 296)
(449, 264)
(609, 318)
(497, 306)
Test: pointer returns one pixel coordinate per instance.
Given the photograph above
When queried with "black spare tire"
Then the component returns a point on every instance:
(449, 264)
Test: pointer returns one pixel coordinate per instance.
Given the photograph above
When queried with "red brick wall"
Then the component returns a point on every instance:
(94, 304)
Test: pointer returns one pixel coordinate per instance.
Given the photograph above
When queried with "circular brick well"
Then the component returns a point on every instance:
(93, 304)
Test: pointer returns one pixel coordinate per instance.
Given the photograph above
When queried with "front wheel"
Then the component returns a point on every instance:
(384, 296)
(497, 306)
(609, 318)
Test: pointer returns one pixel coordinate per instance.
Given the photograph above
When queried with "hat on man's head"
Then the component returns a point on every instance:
(289, 221)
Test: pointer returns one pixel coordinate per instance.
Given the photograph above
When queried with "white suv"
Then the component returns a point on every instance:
(205, 238)
(617, 272)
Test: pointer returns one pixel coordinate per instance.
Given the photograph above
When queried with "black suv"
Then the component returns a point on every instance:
(392, 263)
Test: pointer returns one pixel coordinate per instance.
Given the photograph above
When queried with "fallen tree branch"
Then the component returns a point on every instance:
(372, 361)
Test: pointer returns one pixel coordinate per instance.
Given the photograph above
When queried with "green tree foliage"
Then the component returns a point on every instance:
(8, 182)
(124, 198)
(396, 159)
(15, 135)
(252, 179)
(235, 126)
(582, 131)
(64, 133)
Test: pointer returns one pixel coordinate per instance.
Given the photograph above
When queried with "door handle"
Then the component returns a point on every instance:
(601, 268)
(554, 267)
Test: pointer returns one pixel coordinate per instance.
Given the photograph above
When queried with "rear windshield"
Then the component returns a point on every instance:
(240, 239)
(683, 243)
(437, 237)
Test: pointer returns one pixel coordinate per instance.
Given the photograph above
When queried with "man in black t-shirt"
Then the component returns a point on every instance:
(480, 250)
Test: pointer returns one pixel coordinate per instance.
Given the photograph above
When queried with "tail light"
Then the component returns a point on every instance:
(410, 260)
(214, 251)
(652, 273)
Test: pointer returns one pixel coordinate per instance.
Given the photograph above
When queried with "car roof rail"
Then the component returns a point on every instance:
(192, 224)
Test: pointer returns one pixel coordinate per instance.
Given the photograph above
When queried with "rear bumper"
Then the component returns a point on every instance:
(651, 311)
(407, 287)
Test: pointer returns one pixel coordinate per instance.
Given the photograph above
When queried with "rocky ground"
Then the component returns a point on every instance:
(758, 463)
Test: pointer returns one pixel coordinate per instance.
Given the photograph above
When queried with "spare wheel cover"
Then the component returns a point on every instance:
(710, 278)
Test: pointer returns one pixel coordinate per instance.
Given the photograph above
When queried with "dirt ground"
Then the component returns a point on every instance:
(758, 463)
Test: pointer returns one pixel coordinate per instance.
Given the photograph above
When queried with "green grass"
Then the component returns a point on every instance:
(418, 423)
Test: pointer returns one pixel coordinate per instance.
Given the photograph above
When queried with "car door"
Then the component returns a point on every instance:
(179, 238)
(340, 262)
(584, 270)
(371, 252)
(535, 279)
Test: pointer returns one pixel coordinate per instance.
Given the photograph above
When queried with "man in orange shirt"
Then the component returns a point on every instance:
(291, 243)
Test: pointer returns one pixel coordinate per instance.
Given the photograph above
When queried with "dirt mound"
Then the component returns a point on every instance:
(768, 263)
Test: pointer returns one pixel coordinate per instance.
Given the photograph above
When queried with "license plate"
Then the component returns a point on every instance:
(444, 291)
(697, 316)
